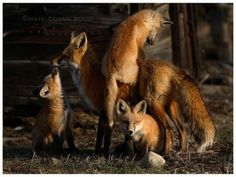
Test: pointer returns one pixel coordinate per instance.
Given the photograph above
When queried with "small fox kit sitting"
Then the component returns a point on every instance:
(143, 130)
(53, 123)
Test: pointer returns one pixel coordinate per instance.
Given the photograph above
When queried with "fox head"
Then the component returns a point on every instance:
(154, 21)
(74, 52)
(51, 86)
(131, 117)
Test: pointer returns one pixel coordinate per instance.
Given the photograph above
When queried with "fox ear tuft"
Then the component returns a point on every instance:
(141, 107)
(82, 40)
(72, 35)
(122, 107)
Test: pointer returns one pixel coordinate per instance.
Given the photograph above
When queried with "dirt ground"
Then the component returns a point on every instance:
(218, 94)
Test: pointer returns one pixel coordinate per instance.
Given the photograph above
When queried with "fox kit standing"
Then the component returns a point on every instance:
(163, 86)
(53, 123)
(145, 132)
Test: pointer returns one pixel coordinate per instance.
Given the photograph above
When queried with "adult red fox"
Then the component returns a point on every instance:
(53, 123)
(119, 64)
(144, 131)
(85, 69)
(167, 88)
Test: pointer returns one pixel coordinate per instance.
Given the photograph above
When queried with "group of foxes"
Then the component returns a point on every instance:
(150, 98)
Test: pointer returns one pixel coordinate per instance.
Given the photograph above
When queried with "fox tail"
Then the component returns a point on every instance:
(194, 110)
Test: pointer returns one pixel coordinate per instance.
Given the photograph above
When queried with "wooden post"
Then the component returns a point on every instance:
(184, 40)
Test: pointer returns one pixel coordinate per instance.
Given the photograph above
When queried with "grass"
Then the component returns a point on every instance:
(17, 157)
(25, 163)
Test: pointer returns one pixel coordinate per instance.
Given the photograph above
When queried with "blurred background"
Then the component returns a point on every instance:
(200, 41)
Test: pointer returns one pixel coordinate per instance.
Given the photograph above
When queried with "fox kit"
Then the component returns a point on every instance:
(144, 131)
(53, 123)
(163, 86)
(119, 64)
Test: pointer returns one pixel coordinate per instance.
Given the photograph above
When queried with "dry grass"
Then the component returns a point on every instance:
(17, 157)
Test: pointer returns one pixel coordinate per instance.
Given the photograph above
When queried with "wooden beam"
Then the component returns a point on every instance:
(184, 39)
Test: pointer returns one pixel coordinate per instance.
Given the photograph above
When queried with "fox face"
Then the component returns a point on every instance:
(131, 118)
(51, 86)
(155, 22)
(74, 52)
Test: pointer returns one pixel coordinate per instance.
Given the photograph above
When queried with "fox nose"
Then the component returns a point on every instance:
(130, 132)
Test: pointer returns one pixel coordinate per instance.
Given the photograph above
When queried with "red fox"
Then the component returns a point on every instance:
(144, 131)
(120, 61)
(53, 123)
(163, 86)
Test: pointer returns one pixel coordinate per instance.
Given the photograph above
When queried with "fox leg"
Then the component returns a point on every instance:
(158, 111)
(110, 100)
(175, 115)
(68, 135)
(102, 124)
(37, 143)
(111, 94)
(129, 146)
(70, 139)
(57, 144)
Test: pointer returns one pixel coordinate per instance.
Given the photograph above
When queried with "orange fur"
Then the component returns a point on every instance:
(119, 63)
(171, 87)
(86, 73)
(145, 132)
(54, 120)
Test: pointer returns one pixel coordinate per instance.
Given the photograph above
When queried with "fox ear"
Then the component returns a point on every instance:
(141, 107)
(82, 40)
(72, 35)
(122, 107)
(44, 92)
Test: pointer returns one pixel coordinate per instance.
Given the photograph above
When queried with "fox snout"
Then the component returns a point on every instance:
(58, 61)
(151, 39)
(130, 132)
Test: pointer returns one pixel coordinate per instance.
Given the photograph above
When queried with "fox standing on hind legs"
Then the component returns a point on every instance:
(119, 64)
(53, 123)
(173, 89)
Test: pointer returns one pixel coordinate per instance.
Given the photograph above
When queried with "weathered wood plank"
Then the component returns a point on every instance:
(184, 40)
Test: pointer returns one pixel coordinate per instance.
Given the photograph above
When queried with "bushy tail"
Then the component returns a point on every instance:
(194, 110)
